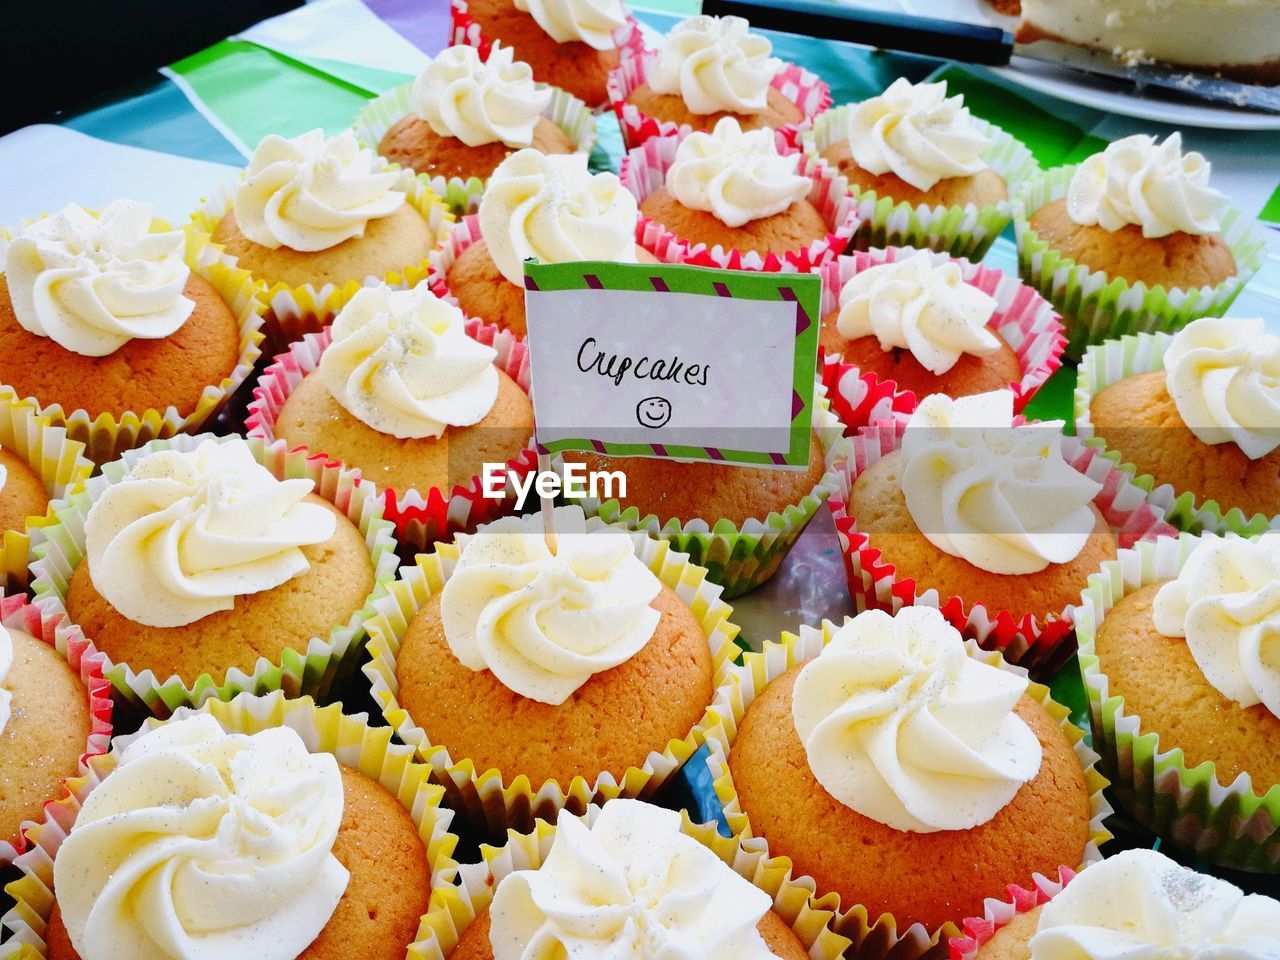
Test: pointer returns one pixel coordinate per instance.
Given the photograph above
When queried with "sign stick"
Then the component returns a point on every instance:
(548, 509)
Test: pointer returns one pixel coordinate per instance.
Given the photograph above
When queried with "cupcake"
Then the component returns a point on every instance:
(121, 328)
(1138, 902)
(710, 68)
(628, 880)
(570, 45)
(1133, 239)
(1196, 412)
(728, 198)
(463, 116)
(909, 774)
(547, 207)
(54, 711)
(266, 828)
(199, 569)
(315, 217)
(505, 660)
(924, 171)
(1184, 684)
(397, 390)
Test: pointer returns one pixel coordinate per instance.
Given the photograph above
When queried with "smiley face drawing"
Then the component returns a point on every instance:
(653, 412)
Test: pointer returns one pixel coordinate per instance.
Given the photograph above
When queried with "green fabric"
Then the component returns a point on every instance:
(1271, 212)
(1053, 401)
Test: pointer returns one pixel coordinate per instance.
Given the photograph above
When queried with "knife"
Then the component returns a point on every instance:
(978, 44)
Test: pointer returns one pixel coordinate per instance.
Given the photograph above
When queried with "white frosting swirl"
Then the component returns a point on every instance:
(738, 177)
(93, 283)
(1226, 602)
(914, 305)
(553, 209)
(480, 101)
(185, 533)
(202, 845)
(714, 64)
(401, 362)
(309, 193)
(1153, 186)
(902, 726)
(545, 623)
(999, 496)
(1223, 374)
(591, 21)
(632, 887)
(1140, 905)
(6, 664)
(917, 133)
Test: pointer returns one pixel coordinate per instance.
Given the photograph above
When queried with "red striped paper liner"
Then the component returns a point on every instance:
(858, 399)
(999, 913)
(644, 170)
(421, 518)
(464, 31)
(1025, 319)
(1040, 646)
(84, 660)
(806, 90)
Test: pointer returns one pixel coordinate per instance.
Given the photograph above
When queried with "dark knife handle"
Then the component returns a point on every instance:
(947, 39)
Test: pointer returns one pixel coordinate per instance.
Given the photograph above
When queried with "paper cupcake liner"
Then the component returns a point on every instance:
(461, 195)
(737, 557)
(858, 399)
(454, 908)
(110, 434)
(498, 800)
(806, 90)
(84, 660)
(420, 518)
(976, 931)
(59, 548)
(56, 459)
(1023, 318)
(882, 938)
(1096, 308)
(292, 312)
(1107, 363)
(350, 738)
(644, 170)
(1038, 645)
(967, 231)
(1233, 824)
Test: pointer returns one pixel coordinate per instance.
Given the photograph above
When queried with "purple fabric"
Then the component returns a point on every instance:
(424, 23)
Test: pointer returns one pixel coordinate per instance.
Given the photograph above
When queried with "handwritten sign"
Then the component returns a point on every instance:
(649, 360)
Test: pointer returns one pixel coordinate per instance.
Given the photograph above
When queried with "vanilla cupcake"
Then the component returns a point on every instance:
(730, 198)
(398, 390)
(925, 172)
(465, 115)
(1133, 239)
(314, 217)
(121, 328)
(546, 207)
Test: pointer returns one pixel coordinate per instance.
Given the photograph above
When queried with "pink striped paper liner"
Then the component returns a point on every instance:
(85, 660)
(420, 518)
(806, 90)
(999, 913)
(1038, 646)
(644, 170)
(858, 399)
(1025, 319)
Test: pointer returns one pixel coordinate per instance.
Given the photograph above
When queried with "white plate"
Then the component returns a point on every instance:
(1080, 88)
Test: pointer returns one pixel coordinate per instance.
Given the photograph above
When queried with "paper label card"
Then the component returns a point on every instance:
(660, 360)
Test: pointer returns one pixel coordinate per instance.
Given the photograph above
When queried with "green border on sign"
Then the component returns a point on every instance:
(805, 289)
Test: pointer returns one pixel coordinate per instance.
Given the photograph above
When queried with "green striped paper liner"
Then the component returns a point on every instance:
(967, 231)
(325, 663)
(1229, 824)
(463, 195)
(739, 558)
(1108, 363)
(1094, 307)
